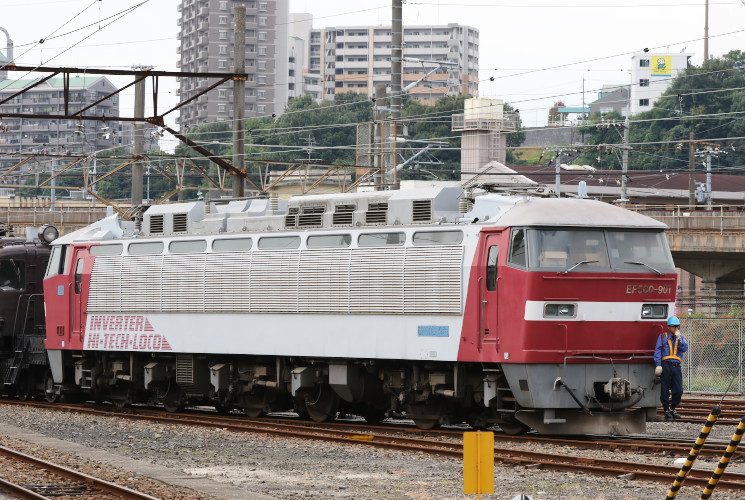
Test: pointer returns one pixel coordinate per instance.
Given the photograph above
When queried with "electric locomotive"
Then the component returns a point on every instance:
(443, 304)
(23, 359)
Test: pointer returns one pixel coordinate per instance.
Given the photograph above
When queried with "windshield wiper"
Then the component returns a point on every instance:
(577, 264)
(645, 265)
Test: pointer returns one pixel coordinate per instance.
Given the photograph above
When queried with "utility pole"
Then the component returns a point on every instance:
(711, 150)
(557, 164)
(138, 147)
(396, 58)
(239, 97)
(708, 178)
(692, 172)
(625, 159)
(706, 32)
(378, 159)
(397, 37)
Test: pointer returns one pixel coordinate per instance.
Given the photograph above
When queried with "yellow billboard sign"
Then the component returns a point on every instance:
(662, 65)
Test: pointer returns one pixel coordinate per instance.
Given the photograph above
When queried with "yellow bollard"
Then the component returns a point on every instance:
(683, 474)
(478, 463)
(724, 462)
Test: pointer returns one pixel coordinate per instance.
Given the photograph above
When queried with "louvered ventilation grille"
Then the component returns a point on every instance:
(291, 217)
(414, 280)
(185, 370)
(156, 224)
(180, 223)
(311, 217)
(422, 211)
(377, 213)
(344, 215)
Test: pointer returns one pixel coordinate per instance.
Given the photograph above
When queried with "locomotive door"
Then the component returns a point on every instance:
(490, 291)
(78, 296)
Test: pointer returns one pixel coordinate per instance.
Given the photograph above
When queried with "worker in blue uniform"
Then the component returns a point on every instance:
(668, 356)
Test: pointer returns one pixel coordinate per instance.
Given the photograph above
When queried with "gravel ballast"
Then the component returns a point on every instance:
(262, 466)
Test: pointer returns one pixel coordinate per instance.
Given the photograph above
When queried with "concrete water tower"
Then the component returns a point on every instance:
(7, 57)
(483, 125)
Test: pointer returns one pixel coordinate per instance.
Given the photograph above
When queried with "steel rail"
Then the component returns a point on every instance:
(19, 490)
(621, 443)
(113, 488)
(562, 462)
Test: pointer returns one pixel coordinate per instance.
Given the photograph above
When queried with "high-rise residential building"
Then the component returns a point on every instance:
(300, 80)
(651, 75)
(357, 58)
(207, 37)
(41, 135)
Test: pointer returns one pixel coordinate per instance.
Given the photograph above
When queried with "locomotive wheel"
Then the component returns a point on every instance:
(255, 403)
(173, 400)
(372, 415)
(25, 387)
(50, 393)
(222, 408)
(323, 404)
(513, 428)
(119, 395)
(425, 416)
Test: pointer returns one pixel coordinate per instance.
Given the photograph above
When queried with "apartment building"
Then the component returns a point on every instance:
(651, 75)
(207, 37)
(357, 58)
(40, 135)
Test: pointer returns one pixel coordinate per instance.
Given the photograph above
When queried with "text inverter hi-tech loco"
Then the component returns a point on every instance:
(445, 305)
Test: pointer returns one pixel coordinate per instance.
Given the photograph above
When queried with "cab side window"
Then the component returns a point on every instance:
(491, 268)
(518, 255)
(79, 275)
(12, 275)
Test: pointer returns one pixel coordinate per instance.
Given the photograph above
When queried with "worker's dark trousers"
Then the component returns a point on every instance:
(672, 384)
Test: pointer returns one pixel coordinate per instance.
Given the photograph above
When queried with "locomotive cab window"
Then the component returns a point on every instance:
(518, 254)
(491, 268)
(640, 251)
(12, 275)
(568, 250)
(57, 261)
(79, 275)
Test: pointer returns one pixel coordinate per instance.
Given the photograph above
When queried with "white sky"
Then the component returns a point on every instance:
(590, 40)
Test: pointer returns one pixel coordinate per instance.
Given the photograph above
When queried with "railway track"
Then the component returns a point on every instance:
(697, 409)
(44, 480)
(448, 442)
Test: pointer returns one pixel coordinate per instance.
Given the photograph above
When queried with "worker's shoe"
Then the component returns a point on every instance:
(674, 413)
(669, 414)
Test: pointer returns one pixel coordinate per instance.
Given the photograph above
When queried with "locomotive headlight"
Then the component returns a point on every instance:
(48, 234)
(560, 311)
(654, 311)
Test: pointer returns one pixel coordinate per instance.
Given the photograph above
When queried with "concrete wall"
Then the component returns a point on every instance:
(551, 136)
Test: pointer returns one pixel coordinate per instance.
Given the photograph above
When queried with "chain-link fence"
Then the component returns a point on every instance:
(714, 362)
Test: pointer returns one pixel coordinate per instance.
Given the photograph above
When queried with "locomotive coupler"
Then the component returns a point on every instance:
(617, 389)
